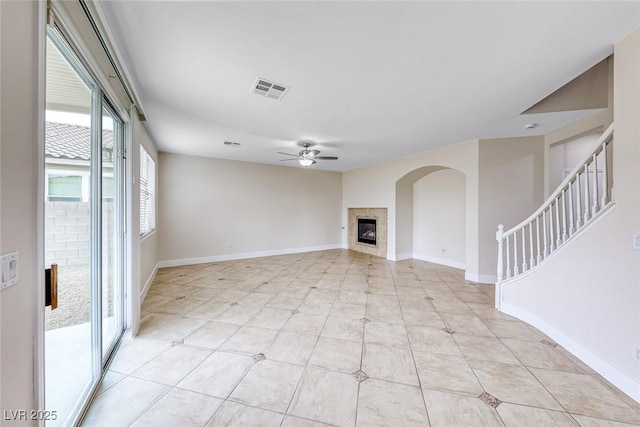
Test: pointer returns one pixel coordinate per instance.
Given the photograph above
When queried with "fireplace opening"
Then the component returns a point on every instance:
(367, 231)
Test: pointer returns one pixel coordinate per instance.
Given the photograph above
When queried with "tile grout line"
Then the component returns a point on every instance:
(307, 362)
(415, 365)
(362, 348)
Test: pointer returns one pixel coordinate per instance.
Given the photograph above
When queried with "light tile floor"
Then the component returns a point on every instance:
(341, 338)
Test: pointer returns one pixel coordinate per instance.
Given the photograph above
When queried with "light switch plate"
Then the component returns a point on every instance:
(9, 265)
(636, 241)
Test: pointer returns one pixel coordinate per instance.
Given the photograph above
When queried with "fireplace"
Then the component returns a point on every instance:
(367, 231)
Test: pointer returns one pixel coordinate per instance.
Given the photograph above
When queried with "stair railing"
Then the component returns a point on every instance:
(584, 193)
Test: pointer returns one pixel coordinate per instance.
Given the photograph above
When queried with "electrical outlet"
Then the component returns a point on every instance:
(636, 353)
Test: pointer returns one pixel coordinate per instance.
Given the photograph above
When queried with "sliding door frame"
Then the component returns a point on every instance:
(54, 22)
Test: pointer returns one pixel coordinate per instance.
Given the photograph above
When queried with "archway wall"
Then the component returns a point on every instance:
(439, 218)
(387, 185)
(404, 209)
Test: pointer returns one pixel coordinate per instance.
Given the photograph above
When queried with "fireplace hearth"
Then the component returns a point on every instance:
(367, 231)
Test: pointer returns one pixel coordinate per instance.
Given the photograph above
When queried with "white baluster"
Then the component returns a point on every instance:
(539, 258)
(508, 259)
(586, 193)
(552, 240)
(605, 177)
(516, 269)
(558, 231)
(499, 234)
(545, 251)
(578, 202)
(571, 226)
(594, 207)
(564, 217)
(524, 252)
(531, 259)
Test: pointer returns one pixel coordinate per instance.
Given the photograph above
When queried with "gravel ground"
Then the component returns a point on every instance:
(73, 298)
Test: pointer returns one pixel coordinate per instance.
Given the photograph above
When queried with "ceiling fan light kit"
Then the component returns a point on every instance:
(306, 162)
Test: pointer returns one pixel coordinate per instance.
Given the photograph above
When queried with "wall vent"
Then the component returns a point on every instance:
(269, 89)
(231, 144)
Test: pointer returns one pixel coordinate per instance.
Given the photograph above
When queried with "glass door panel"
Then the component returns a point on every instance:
(68, 331)
(84, 211)
(112, 318)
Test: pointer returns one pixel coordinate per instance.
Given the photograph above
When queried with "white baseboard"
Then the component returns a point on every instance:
(147, 285)
(616, 377)
(440, 261)
(244, 255)
(480, 278)
(402, 257)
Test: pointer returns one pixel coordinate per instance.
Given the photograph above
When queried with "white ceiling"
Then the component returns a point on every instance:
(370, 81)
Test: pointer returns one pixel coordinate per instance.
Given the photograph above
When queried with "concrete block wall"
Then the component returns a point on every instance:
(67, 233)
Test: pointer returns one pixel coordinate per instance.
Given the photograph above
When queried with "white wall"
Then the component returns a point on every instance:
(18, 188)
(212, 209)
(439, 218)
(587, 295)
(511, 188)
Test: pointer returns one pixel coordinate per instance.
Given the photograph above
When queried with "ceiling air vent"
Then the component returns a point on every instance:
(231, 144)
(269, 89)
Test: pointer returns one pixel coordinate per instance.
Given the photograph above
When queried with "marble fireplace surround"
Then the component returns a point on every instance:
(380, 215)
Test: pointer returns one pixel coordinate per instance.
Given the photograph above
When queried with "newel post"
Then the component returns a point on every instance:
(500, 239)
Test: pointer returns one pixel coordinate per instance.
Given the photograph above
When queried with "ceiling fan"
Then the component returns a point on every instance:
(307, 157)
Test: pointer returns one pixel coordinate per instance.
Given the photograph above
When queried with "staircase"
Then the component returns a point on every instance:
(584, 195)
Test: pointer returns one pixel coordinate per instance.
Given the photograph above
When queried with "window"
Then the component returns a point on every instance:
(65, 188)
(66, 185)
(147, 192)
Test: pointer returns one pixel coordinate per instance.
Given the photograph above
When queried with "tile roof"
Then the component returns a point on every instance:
(65, 141)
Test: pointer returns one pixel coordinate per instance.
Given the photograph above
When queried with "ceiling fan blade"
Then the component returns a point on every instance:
(287, 154)
(286, 160)
(326, 158)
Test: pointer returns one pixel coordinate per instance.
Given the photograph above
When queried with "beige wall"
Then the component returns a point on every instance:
(220, 208)
(375, 186)
(490, 199)
(439, 218)
(18, 188)
(511, 188)
(588, 293)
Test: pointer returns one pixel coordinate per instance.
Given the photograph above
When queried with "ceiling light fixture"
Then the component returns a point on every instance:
(531, 126)
(306, 162)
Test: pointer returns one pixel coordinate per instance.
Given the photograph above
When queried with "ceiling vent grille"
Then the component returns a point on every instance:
(269, 89)
(231, 144)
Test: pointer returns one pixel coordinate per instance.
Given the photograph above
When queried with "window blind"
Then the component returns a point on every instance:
(147, 192)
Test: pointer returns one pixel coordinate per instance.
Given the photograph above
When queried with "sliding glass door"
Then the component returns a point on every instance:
(84, 211)
(112, 238)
